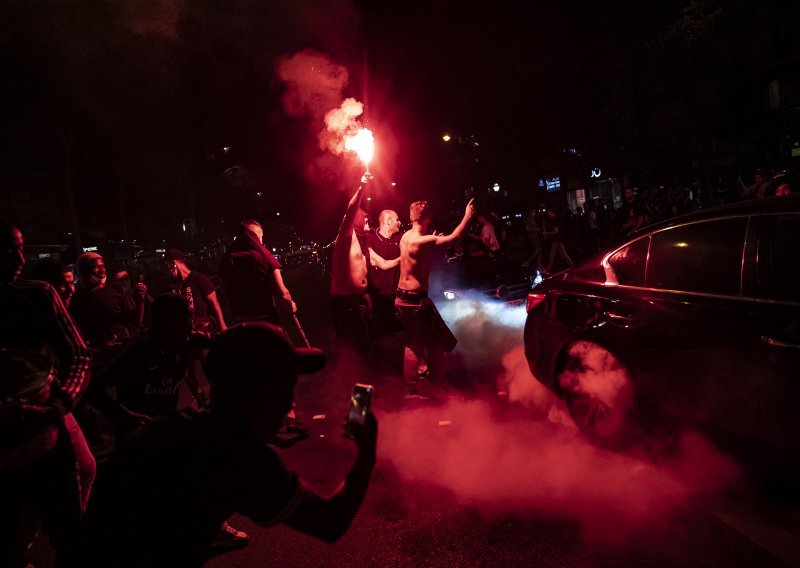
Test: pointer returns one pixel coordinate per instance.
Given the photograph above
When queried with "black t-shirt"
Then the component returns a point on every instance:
(384, 281)
(249, 282)
(163, 494)
(146, 378)
(553, 224)
(201, 287)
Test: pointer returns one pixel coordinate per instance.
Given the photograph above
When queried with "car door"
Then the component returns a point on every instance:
(694, 298)
(777, 322)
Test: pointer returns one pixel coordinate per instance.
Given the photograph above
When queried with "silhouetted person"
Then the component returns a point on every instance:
(145, 513)
(198, 289)
(252, 277)
(554, 233)
(58, 275)
(427, 336)
(147, 375)
(45, 463)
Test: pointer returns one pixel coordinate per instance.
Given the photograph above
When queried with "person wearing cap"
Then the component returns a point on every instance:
(199, 290)
(146, 376)
(166, 489)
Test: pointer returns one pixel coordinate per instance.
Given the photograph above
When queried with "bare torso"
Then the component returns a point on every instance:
(349, 271)
(415, 261)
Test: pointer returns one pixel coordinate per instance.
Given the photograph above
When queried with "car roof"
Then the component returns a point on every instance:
(787, 204)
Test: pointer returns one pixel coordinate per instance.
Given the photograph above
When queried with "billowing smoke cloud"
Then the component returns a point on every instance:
(314, 84)
(340, 122)
(491, 458)
(500, 465)
(315, 87)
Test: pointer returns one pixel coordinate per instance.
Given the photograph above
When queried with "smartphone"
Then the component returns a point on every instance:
(360, 402)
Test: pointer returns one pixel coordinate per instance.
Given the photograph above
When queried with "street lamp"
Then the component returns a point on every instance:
(446, 138)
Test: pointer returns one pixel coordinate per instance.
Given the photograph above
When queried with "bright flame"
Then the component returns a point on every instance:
(363, 144)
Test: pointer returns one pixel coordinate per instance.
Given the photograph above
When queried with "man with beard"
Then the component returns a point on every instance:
(384, 255)
(45, 463)
(252, 276)
(349, 303)
(427, 336)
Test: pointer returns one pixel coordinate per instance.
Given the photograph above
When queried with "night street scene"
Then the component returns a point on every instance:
(379, 283)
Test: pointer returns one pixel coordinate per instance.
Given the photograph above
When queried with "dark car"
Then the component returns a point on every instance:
(694, 321)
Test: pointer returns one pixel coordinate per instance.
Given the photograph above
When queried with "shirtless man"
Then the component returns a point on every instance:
(349, 306)
(427, 336)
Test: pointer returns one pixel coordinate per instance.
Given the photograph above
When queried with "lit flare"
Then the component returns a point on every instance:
(363, 144)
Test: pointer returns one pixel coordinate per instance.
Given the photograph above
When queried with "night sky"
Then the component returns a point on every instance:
(134, 101)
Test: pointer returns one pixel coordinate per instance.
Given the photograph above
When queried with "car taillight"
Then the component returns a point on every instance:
(534, 299)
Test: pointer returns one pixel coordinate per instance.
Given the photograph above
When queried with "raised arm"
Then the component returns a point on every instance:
(445, 239)
(328, 519)
(346, 228)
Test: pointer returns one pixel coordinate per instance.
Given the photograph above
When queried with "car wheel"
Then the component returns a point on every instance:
(599, 394)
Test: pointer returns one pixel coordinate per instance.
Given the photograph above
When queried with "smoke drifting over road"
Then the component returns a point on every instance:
(499, 461)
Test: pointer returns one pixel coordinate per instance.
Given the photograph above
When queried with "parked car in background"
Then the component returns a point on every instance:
(693, 322)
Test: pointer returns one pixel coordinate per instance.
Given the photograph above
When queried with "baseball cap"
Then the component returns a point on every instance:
(254, 353)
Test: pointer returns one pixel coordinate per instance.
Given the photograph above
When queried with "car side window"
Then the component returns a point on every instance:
(786, 259)
(629, 263)
(702, 257)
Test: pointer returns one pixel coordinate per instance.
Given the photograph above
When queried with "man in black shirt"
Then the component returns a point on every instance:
(384, 271)
(198, 289)
(252, 275)
(164, 492)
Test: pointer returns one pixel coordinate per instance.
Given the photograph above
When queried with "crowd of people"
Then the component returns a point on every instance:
(74, 346)
(70, 348)
(100, 344)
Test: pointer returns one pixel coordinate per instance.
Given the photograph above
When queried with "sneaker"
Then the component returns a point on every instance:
(229, 538)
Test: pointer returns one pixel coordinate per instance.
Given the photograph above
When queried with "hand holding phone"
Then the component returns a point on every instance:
(360, 403)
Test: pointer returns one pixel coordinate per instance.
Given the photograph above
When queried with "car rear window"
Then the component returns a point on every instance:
(701, 257)
(629, 263)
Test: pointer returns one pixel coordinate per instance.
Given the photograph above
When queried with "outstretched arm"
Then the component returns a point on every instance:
(439, 239)
(382, 263)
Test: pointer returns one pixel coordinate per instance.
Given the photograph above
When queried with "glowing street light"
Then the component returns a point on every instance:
(446, 138)
(496, 187)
